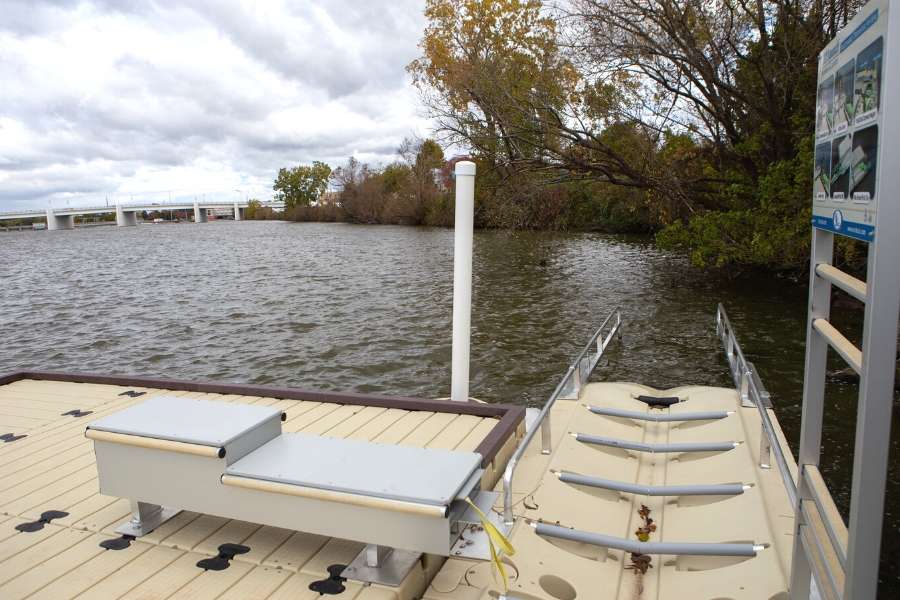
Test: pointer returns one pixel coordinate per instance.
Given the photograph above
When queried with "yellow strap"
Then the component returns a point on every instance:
(495, 539)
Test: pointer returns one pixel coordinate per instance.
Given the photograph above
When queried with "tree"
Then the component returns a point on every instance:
(361, 194)
(301, 185)
(481, 62)
(700, 111)
(252, 209)
(496, 78)
(422, 160)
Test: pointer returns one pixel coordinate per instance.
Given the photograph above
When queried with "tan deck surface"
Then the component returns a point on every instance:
(53, 469)
(545, 569)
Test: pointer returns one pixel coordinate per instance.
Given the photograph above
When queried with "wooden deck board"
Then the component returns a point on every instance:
(107, 518)
(32, 495)
(349, 425)
(295, 551)
(263, 543)
(295, 423)
(46, 571)
(87, 574)
(182, 519)
(212, 584)
(258, 584)
(478, 433)
(42, 410)
(334, 552)
(195, 532)
(296, 587)
(233, 532)
(16, 542)
(428, 430)
(166, 582)
(332, 419)
(45, 479)
(81, 454)
(379, 424)
(74, 501)
(57, 542)
(133, 574)
(402, 427)
(453, 435)
(91, 503)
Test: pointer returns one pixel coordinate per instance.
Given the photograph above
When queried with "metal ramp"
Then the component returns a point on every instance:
(230, 460)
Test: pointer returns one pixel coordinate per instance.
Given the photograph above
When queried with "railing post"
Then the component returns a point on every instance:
(508, 518)
(745, 387)
(546, 436)
(729, 352)
(765, 449)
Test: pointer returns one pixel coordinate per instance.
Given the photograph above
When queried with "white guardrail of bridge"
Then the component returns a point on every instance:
(142, 206)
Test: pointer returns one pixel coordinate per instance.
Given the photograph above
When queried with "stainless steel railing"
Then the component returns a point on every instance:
(748, 383)
(569, 387)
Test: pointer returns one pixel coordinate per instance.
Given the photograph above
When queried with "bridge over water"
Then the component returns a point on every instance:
(126, 214)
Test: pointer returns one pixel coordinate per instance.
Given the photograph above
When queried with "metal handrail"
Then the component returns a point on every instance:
(571, 384)
(745, 381)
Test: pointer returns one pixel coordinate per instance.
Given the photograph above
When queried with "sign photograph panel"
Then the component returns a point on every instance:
(848, 102)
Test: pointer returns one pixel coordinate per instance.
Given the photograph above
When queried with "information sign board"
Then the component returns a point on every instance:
(848, 116)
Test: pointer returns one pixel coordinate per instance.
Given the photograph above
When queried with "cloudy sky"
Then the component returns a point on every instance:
(143, 98)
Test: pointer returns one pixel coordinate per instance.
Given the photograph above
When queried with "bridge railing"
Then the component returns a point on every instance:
(26, 214)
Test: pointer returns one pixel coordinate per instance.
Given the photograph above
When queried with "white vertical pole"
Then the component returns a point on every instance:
(871, 454)
(237, 212)
(462, 279)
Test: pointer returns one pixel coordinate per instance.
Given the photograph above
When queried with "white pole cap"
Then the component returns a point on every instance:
(465, 167)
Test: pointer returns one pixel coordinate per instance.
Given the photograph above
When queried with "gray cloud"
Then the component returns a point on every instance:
(118, 98)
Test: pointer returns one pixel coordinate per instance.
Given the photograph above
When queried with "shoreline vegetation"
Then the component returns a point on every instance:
(691, 121)
(418, 190)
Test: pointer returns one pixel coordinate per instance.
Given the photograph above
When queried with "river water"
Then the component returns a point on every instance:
(368, 309)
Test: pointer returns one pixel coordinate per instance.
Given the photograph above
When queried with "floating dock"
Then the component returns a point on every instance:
(71, 548)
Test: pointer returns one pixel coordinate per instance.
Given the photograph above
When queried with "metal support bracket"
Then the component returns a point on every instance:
(473, 540)
(145, 518)
(382, 565)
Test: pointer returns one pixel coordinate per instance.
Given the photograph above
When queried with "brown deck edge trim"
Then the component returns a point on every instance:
(502, 431)
(509, 416)
(11, 377)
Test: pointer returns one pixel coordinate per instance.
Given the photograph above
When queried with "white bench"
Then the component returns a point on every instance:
(233, 461)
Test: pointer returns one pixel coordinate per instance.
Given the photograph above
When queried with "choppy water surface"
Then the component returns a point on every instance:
(368, 308)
